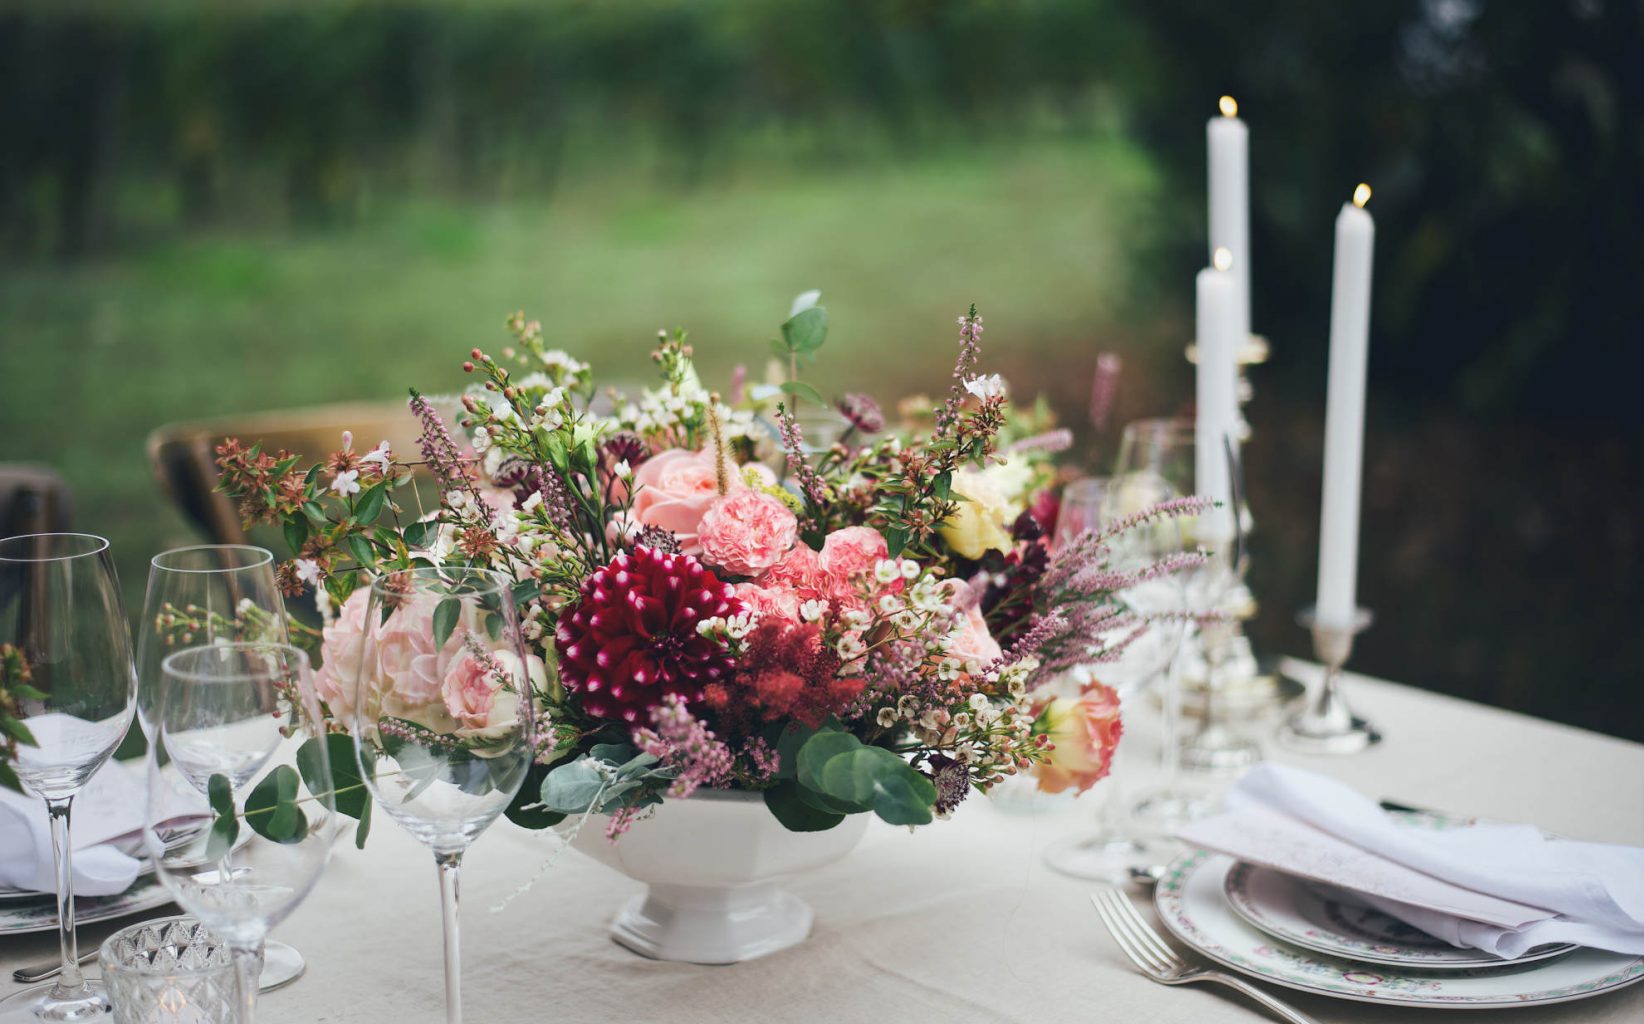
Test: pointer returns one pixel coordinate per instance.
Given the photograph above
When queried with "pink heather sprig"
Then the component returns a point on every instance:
(440, 452)
(556, 500)
(1041, 631)
(970, 350)
(680, 740)
(764, 758)
(793, 444)
(1050, 442)
(1175, 507)
(1103, 387)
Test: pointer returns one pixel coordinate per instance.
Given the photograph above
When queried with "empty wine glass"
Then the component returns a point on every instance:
(442, 711)
(1109, 851)
(67, 654)
(238, 724)
(196, 596)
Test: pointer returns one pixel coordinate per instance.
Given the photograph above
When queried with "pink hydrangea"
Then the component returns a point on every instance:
(747, 532)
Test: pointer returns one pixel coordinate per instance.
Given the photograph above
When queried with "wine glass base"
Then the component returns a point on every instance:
(1104, 856)
(282, 965)
(1223, 758)
(1164, 810)
(33, 1005)
(1301, 737)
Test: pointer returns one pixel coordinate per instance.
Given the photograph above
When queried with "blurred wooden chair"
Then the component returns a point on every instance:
(33, 499)
(183, 455)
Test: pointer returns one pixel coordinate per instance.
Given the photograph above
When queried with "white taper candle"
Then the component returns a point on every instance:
(1344, 413)
(1217, 409)
(1227, 141)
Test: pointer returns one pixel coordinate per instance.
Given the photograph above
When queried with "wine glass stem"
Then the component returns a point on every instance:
(449, 865)
(248, 976)
(70, 980)
(1170, 754)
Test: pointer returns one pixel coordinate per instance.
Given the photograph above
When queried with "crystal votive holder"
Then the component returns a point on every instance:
(168, 971)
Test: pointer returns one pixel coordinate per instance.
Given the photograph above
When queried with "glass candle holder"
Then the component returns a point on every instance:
(168, 971)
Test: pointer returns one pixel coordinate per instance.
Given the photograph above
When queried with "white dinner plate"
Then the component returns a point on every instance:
(18, 918)
(1192, 903)
(1325, 920)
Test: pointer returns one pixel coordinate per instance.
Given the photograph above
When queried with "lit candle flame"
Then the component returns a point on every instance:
(1222, 258)
(1230, 106)
(1361, 195)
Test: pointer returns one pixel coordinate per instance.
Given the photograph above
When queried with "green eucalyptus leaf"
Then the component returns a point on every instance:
(346, 786)
(445, 620)
(363, 829)
(806, 330)
(572, 788)
(527, 809)
(904, 798)
(818, 751)
(271, 807)
(800, 389)
(786, 804)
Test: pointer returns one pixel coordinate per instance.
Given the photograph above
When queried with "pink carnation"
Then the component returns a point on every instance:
(853, 552)
(799, 571)
(746, 532)
(769, 602)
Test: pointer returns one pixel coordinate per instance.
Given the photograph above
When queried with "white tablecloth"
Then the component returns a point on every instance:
(960, 922)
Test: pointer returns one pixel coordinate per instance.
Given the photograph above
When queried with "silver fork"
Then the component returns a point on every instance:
(1138, 941)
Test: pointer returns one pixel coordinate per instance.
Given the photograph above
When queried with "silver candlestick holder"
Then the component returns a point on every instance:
(1324, 724)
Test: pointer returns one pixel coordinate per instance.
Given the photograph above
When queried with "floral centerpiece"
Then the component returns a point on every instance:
(711, 599)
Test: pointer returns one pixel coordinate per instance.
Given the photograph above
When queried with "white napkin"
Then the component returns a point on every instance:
(1504, 889)
(110, 807)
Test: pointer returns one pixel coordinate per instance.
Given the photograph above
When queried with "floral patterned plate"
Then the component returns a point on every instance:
(18, 918)
(1322, 919)
(1192, 903)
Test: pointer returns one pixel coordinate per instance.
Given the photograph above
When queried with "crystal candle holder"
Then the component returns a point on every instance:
(168, 971)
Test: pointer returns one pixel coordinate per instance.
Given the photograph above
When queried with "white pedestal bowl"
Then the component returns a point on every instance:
(711, 863)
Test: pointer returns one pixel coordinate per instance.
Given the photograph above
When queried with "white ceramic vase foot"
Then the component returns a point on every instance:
(711, 863)
(712, 926)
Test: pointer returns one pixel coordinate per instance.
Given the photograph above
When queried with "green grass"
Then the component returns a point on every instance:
(93, 357)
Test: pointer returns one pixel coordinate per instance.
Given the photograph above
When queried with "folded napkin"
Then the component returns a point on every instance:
(108, 810)
(1504, 889)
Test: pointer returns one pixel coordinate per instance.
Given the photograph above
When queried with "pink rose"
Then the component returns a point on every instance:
(746, 532)
(674, 490)
(974, 642)
(475, 696)
(769, 603)
(342, 647)
(1085, 731)
(406, 658)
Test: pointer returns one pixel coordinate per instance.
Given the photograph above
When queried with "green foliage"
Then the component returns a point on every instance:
(225, 826)
(837, 773)
(271, 807)
(347, 787)
(609, 777)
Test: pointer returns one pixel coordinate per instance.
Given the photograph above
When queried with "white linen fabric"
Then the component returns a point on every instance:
(109, 808)
(1594, 890)
(961, 922)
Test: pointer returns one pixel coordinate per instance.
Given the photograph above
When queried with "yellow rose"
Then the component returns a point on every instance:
(994, 500)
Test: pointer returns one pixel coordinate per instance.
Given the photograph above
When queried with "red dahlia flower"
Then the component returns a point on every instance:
(632, 638)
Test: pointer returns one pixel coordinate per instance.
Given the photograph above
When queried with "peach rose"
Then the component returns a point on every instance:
(1085, 731)
(674, 489)
(974, 642)
(342, 648)
(476, 699)
(746, 532)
